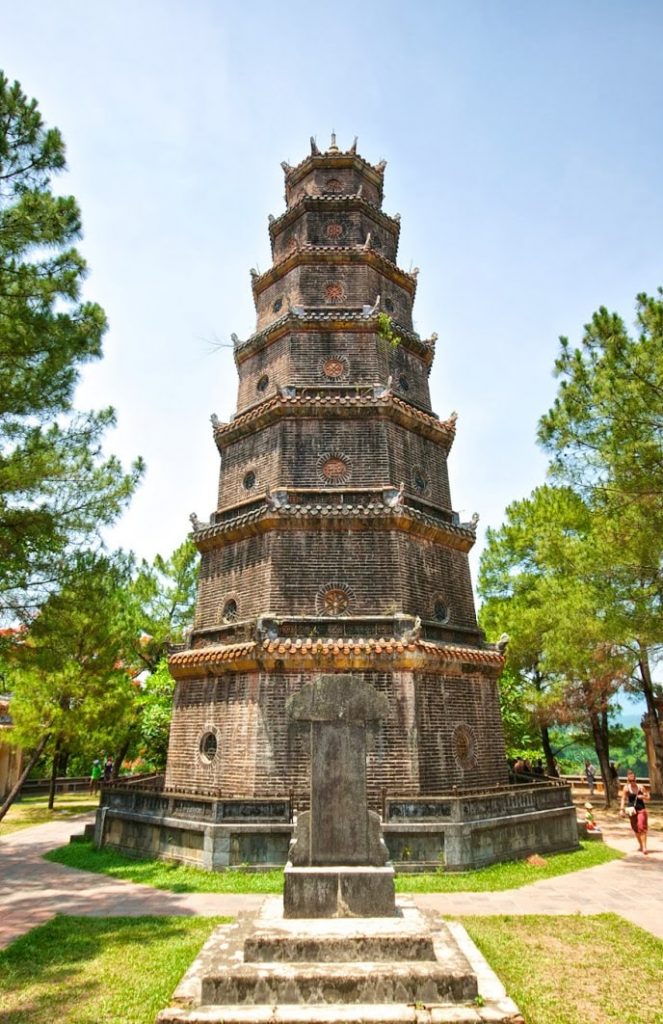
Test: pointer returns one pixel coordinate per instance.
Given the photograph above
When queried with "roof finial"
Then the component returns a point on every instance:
(333, 148)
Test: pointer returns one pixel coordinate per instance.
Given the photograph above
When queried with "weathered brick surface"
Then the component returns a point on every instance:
(444, 728)
(262, 753)
(328, 287)
(299, 361)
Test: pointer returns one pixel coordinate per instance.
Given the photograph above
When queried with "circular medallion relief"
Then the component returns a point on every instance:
(334, 291)
(334, 231)
(333, 599)
(335, 367)
(464, 746)
(333, 185)
(334, 468)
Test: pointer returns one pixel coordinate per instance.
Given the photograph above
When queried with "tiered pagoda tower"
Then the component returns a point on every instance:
(334, 545)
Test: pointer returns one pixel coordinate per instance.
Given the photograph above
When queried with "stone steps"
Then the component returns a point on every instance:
(348, 1013)
(338, 983)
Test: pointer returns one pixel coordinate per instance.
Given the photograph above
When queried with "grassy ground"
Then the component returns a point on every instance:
(570, 970)
(87, 970)
(175, 878)
(560, 970)
(33, 810)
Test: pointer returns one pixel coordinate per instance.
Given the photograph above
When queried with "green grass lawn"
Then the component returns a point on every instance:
(91, 970)
(571, 970)
(176, 878)
(559, 970)
(33, 810)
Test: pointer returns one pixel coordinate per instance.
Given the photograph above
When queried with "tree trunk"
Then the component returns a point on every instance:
(602, 751)
(120, 756)
(54, 775)
(26, 771)
(652, 711)
(548, 751)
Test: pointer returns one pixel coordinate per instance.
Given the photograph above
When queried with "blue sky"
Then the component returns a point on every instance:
(524, 146)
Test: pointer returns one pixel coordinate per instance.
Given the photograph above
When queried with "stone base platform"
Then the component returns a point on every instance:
(315, 892)
(455, 832)
(409, 968)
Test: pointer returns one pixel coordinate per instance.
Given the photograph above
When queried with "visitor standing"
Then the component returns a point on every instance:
(108, 769)
(590, 777)
(95, 775)
(633, 805)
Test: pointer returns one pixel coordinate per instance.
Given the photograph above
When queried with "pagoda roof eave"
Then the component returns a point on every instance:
(334, 255)
(330, 320)
(335, 161)
(337, 200)
(378, 516)
(305, 655)
(307, 404)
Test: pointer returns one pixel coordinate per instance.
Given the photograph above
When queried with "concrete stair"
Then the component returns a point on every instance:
(266, 969)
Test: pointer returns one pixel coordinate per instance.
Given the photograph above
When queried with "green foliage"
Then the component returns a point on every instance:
(67, 674)
(386, 330)
(164, 599)
(155, 707)
(604, 433)
(56, 488)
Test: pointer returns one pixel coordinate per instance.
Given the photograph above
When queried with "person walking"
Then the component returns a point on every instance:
(633, 806)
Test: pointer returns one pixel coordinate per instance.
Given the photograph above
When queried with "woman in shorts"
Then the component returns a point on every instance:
(633, 805)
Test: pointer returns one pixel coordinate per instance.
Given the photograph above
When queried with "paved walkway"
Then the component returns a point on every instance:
(32, 890)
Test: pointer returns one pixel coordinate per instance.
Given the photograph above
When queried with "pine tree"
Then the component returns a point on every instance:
(56, 489)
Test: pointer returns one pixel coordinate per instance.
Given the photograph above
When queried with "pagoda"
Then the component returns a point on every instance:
(334, 545)
(334, 548)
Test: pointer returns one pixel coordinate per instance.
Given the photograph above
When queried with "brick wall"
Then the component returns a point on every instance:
(262, 753)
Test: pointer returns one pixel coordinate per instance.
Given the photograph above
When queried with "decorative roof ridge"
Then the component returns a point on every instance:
(333, 157)
(308, 647)
(276, 223)
(261, 281)
(208, 531)
(351, 316)
(383, 397)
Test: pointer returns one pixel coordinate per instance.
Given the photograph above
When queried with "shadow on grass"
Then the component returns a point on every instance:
(76, 968)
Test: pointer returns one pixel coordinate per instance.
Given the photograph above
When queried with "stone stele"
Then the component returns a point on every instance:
(338, 860)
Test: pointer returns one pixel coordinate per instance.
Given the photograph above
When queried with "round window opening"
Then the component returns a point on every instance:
(230, 611)
(441, 612)
(249, 480)
(277, 305)
(263, 382)
(208, 747)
